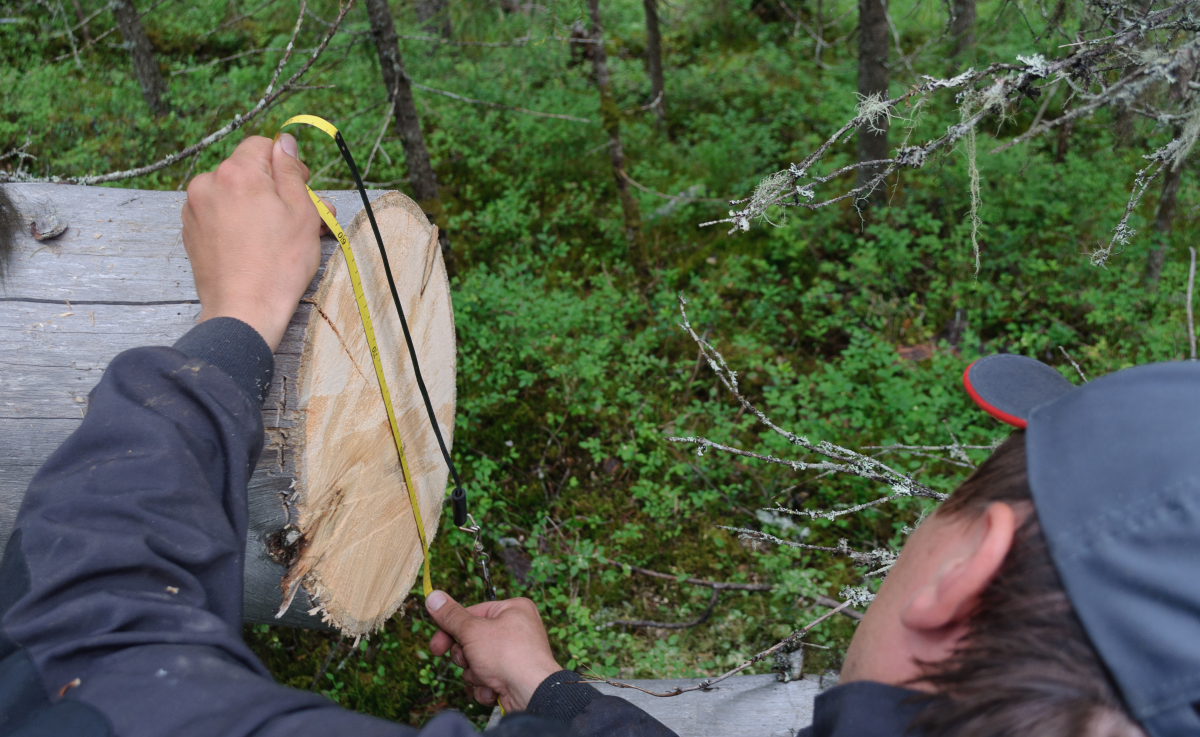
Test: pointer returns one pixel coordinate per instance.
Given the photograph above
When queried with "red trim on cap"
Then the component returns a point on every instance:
(999, 414)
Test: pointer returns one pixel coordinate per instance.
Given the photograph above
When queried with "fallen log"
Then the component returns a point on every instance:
(761, 705)
(329, 509)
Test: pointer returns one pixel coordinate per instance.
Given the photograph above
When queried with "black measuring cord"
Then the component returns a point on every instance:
(458, 498)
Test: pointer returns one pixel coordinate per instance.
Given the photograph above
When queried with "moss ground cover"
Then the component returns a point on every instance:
(849, 327)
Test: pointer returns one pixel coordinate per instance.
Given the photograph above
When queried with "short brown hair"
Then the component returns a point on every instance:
(1026, 667)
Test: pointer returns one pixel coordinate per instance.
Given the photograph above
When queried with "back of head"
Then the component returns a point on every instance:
(1026, 667)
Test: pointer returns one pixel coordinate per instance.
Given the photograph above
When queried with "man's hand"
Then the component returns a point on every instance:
(502, 646)
(253, 236)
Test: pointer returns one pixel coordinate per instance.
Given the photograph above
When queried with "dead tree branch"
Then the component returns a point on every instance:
(1191, 326)
(515, 43)
(497, 105)
(708, 610)
(270, 96)
(1130, 34)
(790, 641)
(837, 460)
(1075, 365)
(841, 459)
(671, 197)
(717, 587)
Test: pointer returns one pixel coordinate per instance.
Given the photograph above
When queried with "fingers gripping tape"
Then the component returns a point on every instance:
(369, 329)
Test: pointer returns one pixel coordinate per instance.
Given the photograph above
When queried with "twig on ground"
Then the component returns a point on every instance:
(1072, 360)
(387, 118)
(648, 106)
(1191, 321)
(497, 105)
(19, 152)
(240, 18)
(824, 601)
(790, 641)
(270, 95)
(708, 610)
(97, 39)
(957, 451)
(56, 11)
(251, 52)
(80, 24)
(183, 182)
(334, 647)
(715, 585)
(841, 459)
(517, 42)
(672, 197)
(843, 548)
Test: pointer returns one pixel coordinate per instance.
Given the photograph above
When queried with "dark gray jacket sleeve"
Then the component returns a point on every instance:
(565, 699)
(121, 587)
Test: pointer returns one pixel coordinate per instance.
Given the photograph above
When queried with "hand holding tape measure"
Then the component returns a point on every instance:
(459, 497)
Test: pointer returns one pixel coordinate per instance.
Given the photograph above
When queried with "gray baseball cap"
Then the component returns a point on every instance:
(1114, 467)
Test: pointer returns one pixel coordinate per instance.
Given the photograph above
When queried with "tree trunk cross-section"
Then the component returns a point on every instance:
(357, 558)
(328, 506)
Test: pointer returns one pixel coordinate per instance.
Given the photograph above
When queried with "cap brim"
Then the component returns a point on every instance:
(1009, 387)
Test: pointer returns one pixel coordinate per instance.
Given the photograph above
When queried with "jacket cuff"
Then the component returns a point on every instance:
(559, 698)
(237, 349)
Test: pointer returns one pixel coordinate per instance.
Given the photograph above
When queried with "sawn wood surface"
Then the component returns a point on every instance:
(119, 278)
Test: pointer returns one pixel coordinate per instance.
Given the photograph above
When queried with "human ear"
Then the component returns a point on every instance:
(970, 557)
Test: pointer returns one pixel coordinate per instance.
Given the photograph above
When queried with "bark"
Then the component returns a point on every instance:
(654, 59)
(144, 294)
(1123, 114)
(435, 17)
(1123, 130)
(82, 20)
(962, 27)
(145, 66)
(1062, 144)
(872, 79)
(1166, 203)
(611, 117)
(408, 124)
(1163, 217)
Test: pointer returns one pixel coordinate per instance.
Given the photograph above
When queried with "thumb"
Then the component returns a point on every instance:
(289, 173)
(448, 614)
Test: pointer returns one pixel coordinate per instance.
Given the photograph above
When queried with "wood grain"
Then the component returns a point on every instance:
(361, 552)
(117, 279)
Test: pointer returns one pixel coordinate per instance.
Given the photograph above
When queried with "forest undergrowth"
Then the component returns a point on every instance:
(847, 325)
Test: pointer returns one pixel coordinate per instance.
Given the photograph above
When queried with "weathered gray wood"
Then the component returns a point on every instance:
(741, 706)
(119, 278)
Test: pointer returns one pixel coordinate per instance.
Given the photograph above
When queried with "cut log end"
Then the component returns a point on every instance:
(119, 278)
(361, 552)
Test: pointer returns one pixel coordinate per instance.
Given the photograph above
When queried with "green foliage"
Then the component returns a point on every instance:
(572, 368)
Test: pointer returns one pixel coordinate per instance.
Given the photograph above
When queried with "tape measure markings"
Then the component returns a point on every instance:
(369, 329)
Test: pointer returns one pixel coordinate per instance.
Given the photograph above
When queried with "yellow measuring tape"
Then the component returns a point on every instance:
(369, 329)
